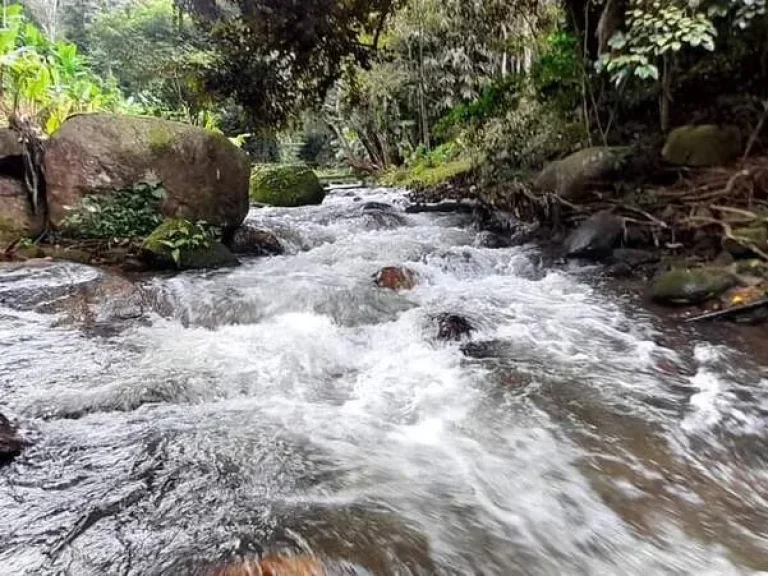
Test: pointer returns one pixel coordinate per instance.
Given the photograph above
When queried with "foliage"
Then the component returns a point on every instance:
(157, 59)
(559, 72)
(662, 28)
(130, 213)
(529, 135)
(179, 237)
(421, 175)
(492, 101)
(48, 80)
(272, 56)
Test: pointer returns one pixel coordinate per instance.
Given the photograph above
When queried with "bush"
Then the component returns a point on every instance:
(186, 244)
(130, 213)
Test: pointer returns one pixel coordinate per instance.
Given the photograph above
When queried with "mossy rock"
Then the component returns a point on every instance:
(691, 286)
(755, 235)
(287, 186)
(159, 255)
(703, 145)
(574, 176)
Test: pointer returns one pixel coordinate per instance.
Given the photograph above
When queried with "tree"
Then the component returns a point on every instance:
(275, 56)
(155, 57)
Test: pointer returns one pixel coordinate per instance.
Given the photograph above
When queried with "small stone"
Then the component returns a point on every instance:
(453, 327)
(395, 278)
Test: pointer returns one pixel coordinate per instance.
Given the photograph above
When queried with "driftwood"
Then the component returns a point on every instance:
(730, 312)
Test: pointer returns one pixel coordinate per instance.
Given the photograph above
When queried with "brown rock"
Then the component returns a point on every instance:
(248, 239)
(395, 278)
(274, 566)
(205, 175)
(16, 218)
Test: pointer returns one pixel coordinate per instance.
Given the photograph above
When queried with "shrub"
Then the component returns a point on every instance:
(130, 213)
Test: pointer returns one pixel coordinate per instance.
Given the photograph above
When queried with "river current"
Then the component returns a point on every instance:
(291, 406)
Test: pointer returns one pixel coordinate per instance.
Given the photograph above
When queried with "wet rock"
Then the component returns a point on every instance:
(204, 174)
(380, 216)
(444, 206)
(493, 240)
(302, 565)
(395, 278)
(703, 145)
(249, 239)
(376, 206)
(287, 186)
(10, 444)
(452, 327)
(158, 254)
(574, 176)
(596, 237)
(633, 257)
(16, 217)
(690, 286)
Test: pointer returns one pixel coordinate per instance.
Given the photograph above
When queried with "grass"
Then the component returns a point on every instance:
(422, 175)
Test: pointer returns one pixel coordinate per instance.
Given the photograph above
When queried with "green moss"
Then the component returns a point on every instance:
(160, 139)
(422, 175)
(690, 286)
(181, 244)
(284, 185)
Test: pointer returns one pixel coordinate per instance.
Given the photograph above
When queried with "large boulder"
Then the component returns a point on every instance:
(703, 145)
(288, 186)
(690, 286)
(572, 177)
(16, 217)
(159, 248)
(204, 174)
(10, 150)
(596, 237)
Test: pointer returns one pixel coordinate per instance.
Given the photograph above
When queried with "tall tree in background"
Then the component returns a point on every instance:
(275, 56)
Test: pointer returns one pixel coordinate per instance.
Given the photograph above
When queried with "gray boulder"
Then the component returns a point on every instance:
(596, 237)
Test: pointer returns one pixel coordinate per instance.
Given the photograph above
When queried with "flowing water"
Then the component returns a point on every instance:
(291, 405)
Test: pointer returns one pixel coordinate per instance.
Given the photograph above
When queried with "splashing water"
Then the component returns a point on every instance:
(290, 404)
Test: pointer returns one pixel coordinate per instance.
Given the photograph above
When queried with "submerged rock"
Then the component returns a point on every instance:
(204, 174)
(159, 254)
(703, 145)
(302, 565)
(572, 177)
(10, 444)
(596, 237)
(248, 239)
(287, 186)
(690, 286)
(380, 216)
(395, 278)
(453, 327)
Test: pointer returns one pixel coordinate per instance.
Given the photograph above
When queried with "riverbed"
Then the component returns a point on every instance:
(292, 406)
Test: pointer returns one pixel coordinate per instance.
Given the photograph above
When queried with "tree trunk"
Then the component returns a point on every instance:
(665, 98)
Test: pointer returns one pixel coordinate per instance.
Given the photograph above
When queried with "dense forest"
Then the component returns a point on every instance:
(381, 84)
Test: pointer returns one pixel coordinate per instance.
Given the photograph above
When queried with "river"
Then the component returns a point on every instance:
(290, 405)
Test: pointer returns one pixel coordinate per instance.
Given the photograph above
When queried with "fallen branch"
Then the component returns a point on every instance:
(728, 312)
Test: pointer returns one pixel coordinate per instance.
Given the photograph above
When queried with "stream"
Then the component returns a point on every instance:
(291, 406)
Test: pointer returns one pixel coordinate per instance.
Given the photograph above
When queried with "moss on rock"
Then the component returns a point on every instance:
(288, 186)
(196, 251)
(691, 286)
